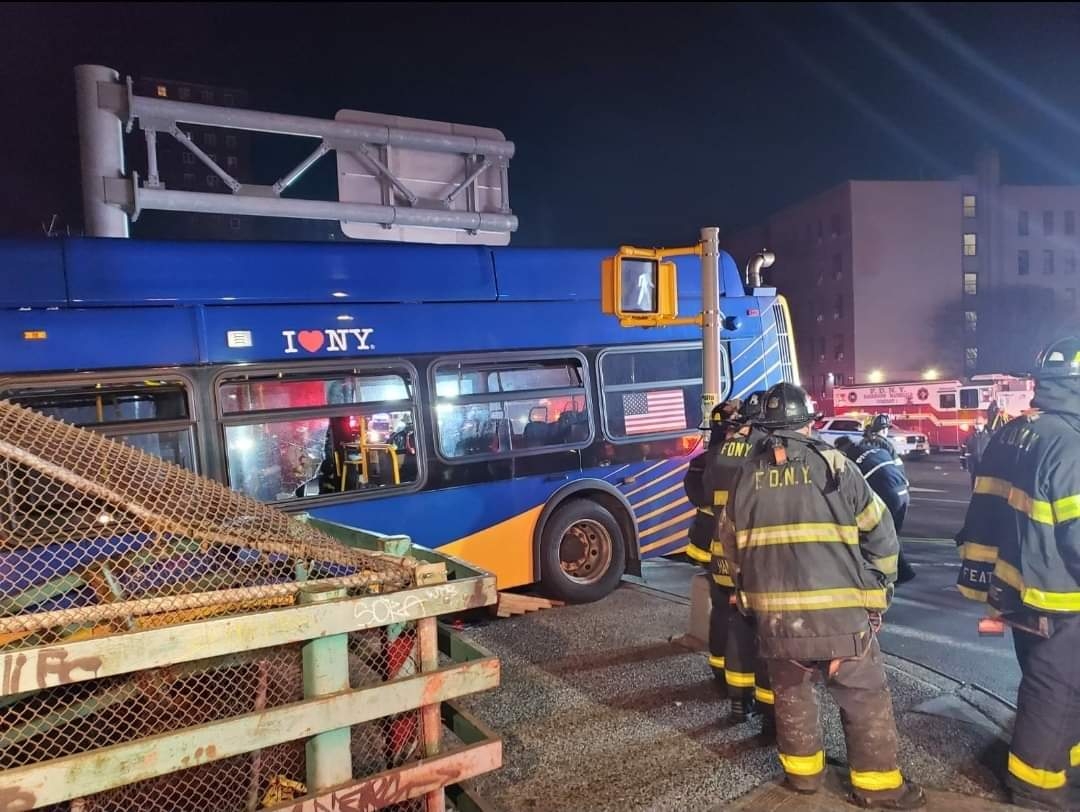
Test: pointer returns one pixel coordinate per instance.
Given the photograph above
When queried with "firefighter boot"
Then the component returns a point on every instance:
(912, 798)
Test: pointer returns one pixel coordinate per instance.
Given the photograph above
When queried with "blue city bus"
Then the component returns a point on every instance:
(475, 399)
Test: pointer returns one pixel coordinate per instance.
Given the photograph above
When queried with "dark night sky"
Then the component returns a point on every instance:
(634, 122)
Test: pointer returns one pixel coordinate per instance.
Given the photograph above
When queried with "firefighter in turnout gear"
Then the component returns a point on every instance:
(1020, 546)
(884, 472)
(723, 422)
(814, 554)
(732, 634)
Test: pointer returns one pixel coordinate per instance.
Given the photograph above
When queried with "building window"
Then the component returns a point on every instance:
(821, 348)
(188, 157)
(1048, 223)
(1022, 224)
(208, 97)
(1070, 261)
(970, 249)
(837, 267)
(837, 224)
(971, 321)
(234, 223)
(1048, 261)
(838, 307)
(211, 181)
(210, 139)
(1070, 298)
(969, 205)
(1023, 262)
(838, 347)
(184, 93)
(162, 91)
(1070, 222)
(971, 358)
(230, 142)
(971, 284)
(231, 162)
(189, 179)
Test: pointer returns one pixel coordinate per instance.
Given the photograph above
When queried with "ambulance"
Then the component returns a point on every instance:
(945, 411)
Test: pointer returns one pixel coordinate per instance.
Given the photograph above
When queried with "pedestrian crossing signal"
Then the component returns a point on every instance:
(639, 287)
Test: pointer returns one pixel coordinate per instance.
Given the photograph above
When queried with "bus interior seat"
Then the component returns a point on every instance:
(537, 431)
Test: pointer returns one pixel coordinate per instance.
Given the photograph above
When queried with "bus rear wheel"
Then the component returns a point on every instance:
(582, 552)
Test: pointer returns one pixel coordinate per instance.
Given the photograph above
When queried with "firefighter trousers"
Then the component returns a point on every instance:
(746, 674)
(858, 686)
(1044, 756)
(719, 613)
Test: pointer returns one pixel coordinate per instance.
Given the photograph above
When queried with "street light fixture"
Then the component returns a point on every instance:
(876, 376)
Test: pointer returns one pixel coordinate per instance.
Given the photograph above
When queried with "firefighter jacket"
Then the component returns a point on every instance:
(1020, 542)
(723, 463)
(883, 469)
(701, 527)
(814, 549)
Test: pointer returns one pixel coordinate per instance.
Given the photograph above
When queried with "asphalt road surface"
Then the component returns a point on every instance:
(929, 621)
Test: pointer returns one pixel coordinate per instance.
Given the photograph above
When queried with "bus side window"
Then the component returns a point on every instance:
(151, 415)
(308, 434)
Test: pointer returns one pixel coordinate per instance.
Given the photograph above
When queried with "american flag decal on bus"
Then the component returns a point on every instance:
(654, 412)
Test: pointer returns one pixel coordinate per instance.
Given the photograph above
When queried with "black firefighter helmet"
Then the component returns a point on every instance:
(725, 412)
(787, 406)
(752, 406)
(1060, 359)
(880, 423)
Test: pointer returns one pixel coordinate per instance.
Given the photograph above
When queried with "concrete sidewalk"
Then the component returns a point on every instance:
(599, 710)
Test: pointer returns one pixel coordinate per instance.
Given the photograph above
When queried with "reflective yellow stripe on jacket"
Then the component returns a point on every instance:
(696, 553)
(796, 533)
(1057, 512)
(1011, 576)
(815, 599)
(870, 517)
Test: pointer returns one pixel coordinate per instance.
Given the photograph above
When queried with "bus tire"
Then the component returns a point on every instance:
(582, 552)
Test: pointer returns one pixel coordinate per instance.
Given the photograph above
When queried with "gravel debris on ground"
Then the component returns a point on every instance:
(599, 711)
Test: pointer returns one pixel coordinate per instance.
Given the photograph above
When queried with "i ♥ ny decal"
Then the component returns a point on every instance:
(310, 340)
(329, 340)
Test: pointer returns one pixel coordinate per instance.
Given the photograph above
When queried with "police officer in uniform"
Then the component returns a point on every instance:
(815, 556)
(975, 447)
(1020, 546)
(884, 472)
(723, 421)
(744, 674)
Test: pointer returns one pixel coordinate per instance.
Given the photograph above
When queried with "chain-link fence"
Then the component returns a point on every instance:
(98, 538)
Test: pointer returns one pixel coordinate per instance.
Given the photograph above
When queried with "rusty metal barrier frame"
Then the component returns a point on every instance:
(320, 620)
